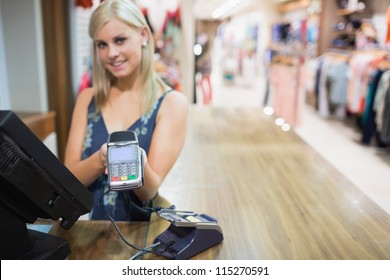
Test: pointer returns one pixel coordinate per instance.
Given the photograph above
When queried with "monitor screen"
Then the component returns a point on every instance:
(34, 184)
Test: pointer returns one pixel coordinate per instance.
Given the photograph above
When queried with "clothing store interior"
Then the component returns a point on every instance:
(288, 136)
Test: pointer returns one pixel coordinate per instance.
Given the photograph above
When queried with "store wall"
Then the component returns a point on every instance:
(24, 61)
(379, 19)
(4, 99)
(380, 6)
(187, 64)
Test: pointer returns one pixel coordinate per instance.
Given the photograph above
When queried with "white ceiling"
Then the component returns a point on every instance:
(203, 9)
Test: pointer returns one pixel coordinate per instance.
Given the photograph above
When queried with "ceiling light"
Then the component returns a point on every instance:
(221, 10)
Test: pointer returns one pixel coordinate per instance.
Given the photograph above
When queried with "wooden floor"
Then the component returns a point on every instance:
(339, 141)
(273, 195)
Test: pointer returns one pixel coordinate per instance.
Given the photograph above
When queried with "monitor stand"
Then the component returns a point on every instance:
(18, 242)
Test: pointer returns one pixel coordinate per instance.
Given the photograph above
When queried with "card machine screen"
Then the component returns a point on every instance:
(125, 153)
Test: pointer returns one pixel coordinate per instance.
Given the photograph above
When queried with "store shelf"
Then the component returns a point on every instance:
(286, 48)
(293, 6)
(347, 12)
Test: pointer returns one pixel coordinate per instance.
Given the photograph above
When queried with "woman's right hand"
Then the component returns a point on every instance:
(103, 157)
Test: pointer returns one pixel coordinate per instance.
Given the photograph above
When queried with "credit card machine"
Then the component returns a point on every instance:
(124, 161)
(188, 234)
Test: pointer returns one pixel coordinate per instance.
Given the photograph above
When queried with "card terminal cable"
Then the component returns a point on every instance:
(142, 251)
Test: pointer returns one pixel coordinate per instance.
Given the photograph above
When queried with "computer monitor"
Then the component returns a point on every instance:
(34, 184)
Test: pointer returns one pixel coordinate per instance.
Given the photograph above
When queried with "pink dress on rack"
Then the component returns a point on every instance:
(287, 94)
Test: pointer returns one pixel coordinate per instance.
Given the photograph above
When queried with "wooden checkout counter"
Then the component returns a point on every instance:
(272, 194)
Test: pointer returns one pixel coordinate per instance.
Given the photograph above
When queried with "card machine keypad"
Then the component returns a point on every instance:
(123, 171)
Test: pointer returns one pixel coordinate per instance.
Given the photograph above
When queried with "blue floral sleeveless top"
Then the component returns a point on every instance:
(114, 203)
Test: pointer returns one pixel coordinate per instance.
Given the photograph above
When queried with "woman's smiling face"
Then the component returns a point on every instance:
(119, 48)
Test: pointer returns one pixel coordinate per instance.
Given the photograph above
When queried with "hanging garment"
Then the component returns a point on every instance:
(323, 102)
(317, 84)
(369, 114)
(85, 82)
(286, 87)
(385, 132)
(358, 81)
(387, 40)
(84, 3)
(384, 84)
(337, 75)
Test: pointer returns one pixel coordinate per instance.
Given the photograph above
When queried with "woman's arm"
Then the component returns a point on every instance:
(167, 143)
(89, 169)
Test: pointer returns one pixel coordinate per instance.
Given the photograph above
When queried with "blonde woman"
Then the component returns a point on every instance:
(127, 94)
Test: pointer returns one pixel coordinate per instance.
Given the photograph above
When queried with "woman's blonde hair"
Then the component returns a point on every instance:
(102, 80)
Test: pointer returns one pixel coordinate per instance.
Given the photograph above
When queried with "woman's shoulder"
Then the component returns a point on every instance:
(83, 100)
(175, 98)
(85, 96)
(174, 102)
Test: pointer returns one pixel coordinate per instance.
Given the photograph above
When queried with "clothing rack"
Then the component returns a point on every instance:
(366, 71)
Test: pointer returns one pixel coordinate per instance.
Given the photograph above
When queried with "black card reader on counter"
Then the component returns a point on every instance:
(188, 234)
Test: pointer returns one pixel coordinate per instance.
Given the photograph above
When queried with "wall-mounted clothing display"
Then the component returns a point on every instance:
(164, 20)
(84, 3)
(237, 49)
(356, 83)
(297, 33)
